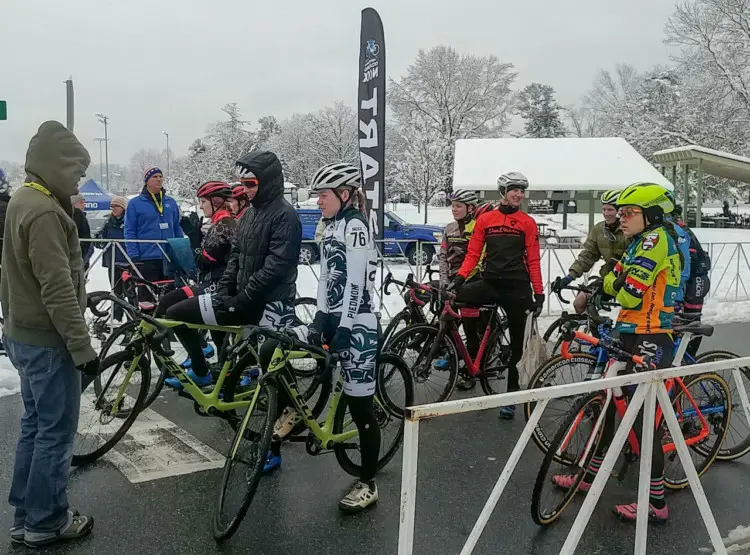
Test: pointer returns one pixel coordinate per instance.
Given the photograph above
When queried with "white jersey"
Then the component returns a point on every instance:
(348, 264)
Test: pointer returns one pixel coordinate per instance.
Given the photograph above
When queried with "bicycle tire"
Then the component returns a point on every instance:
(127, 417)
(543, 434)
(424, 335)
(555, 327)
(386, 410)
(261, 443)
(741, 448)
(711, 453)
(539, 516)
(390, 330)
(491, 369)
(309, 302)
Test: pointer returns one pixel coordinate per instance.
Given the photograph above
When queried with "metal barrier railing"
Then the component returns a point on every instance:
(650, 390)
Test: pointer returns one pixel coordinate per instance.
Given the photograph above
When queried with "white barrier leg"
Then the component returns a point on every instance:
(644, 482)
(692, 475)
(592, 497)
(408, 487)
(505, 475)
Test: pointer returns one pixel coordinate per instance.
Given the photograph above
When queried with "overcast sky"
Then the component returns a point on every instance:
(169, 65)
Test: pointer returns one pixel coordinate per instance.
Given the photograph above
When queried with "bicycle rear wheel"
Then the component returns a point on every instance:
(393, 393)
(567, 460)
(737, 442)
(434, 379)
(98, 407)
(399, 322)
(553, 339)
(495, 362)
(245, 459)
(712, 396)
(556, 371)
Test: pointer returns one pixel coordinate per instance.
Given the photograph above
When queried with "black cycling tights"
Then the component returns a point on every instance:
(360, 409)
(659, 347)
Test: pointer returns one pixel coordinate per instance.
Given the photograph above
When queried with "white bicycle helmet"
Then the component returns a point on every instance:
(333, 176)
(512, 180)
(467, 197)
(610, 197)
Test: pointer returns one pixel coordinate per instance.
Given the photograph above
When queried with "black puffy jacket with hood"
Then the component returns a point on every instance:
(265, 253)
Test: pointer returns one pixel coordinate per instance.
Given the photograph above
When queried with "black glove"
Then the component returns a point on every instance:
(234, 304)
(620, 281)
(538, 304)
(456, 284)
(561, 282)
(90, 368)
(341, 341)
(315, 333)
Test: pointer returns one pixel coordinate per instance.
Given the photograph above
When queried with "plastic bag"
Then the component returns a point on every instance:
(534, 352)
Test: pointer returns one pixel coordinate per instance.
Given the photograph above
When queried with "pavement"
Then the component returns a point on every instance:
(295, 512)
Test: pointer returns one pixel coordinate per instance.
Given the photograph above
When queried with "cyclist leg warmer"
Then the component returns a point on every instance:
(170, 299)
(363, 416)
(474, 328)
(697, 289)
(189, 311)
(515, 299)
(358, 363)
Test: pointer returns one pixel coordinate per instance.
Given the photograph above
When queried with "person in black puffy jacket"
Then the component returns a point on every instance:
(184, 303)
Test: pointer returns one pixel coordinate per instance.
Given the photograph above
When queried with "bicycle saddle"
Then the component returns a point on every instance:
(696, 328)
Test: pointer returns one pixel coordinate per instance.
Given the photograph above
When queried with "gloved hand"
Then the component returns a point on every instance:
(341, 341)
(620, 281)
(561, 282)
(315, 334)
(90, 368)
(456, 284)
(538, 304)
(233, 304)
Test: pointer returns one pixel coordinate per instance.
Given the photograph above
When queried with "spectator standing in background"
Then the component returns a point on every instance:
(153, 215)
(84, 230)
(114, 228)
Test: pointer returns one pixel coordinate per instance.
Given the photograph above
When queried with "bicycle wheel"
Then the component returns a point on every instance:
(556, 371)
(393, 393)
(495, 362)
(712, 396)
(737, 442)
(399, 322)
(304, 310)
(553, 339)
(434, 379)
(245, 459)
(98, 408)
(567, 460)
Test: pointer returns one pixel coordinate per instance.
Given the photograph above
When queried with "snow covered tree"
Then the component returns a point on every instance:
(541, 112)
(422, 168)
(227, 141)
(269, 126)
(15, 173)
(454, 96)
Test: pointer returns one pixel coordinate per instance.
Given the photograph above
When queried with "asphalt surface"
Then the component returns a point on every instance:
(295, 509)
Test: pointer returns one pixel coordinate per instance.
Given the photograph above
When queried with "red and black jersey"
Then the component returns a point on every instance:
(511, 241)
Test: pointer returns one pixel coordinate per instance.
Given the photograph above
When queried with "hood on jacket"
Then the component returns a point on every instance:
(58, 160)
(267, 169)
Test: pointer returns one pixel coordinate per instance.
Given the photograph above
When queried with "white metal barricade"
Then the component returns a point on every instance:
(650, 390)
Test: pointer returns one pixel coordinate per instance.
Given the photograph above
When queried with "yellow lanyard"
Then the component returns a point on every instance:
(159, 203)
(41, 189)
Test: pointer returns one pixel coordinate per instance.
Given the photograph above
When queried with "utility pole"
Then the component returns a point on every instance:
(105, 120)
(101, 159)
(168, 174)
(70, 106)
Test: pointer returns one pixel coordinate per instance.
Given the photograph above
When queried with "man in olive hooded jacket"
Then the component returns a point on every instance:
(43, 300)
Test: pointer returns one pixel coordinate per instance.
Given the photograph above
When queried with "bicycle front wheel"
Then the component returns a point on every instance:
(106, 415)
(393, 393)
(713, 399)
(399, 322)
(244, 463)
(737, 442)
(567, 459)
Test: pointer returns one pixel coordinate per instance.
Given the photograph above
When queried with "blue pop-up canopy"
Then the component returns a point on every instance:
(96, 199)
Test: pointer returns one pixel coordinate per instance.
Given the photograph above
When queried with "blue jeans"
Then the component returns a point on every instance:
(51, 392)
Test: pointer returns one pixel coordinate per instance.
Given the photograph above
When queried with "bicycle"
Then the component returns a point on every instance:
(336, 433)
(415, 300)
(128, 382)
(444, 342)
(697, 422)
(560, 370)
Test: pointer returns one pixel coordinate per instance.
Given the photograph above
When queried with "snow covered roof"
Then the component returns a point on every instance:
(553, 164)
(714, 162)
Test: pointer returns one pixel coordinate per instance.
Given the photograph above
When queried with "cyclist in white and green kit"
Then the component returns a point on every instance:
(345, 319)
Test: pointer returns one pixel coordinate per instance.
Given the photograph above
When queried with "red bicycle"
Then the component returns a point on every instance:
(432, 351)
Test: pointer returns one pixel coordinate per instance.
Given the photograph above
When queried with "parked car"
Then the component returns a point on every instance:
(401, 238)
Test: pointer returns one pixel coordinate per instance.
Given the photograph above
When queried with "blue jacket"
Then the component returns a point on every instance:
(143, 221)
(113, 229)
(683, 243)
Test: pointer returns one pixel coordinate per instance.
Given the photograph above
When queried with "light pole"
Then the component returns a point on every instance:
(105, 120)
(101, 159)
(167, 136)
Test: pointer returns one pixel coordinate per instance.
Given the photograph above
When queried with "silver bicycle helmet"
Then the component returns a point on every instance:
(512, 180)
(467, 197)
(333, 176)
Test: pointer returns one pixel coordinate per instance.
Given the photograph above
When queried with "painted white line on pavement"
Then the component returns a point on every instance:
(155, 447)
(737, 542)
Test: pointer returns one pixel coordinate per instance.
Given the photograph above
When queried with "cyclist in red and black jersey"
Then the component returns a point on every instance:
(511, 270)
